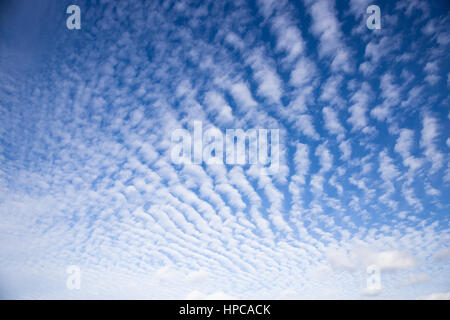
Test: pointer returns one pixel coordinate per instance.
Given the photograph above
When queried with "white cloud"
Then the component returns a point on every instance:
(305, 124)
(303, 73)
(340, 260)
(302, 162)
(442, 255)
(358, 109)
(391, 94)
(269, 83)
(346, 149)
(387, 170)
(414, 279)
(437, 296)
(217, 106)
(197, 276)
(325, 158)
(390, 260)
(326, 26)
(430, 132)
(332, 123)
(197, 295)
(289, 37)
(243, 96)
(371, 291)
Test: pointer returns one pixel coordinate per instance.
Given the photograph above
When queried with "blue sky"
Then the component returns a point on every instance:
(86, 177)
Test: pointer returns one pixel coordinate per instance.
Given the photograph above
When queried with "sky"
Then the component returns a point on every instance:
(87, 179)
